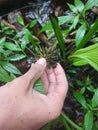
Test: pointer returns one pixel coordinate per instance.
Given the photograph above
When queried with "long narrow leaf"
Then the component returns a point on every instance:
(73, 8)
(95, 99)
(80, 34)
(65, 19)
(89, 4)
(54, 22)
(79, 5)
(33, 23)
(30, 37)
(88, 36)
(16, 57)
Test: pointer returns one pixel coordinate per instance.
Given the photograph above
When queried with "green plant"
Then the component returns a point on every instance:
(14, 46)
(80, 56)
(89, 105)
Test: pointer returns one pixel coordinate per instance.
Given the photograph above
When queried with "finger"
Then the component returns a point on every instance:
(45, 81)
(62, 83)
(57, 96)
(34, 72)
(51, 79)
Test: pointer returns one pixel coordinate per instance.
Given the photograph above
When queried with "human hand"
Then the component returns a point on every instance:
(23, 108)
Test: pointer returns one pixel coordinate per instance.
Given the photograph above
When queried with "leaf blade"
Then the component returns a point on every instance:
(10, 68)
(88, 55)
(80, 34)
(88, 121)
(4, 76)
(80, 99)
(54, 22)
(88, 36)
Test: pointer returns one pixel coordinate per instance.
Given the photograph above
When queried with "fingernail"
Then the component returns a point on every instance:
(41, 61)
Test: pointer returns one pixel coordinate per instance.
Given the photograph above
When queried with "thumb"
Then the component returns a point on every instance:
(35, 71)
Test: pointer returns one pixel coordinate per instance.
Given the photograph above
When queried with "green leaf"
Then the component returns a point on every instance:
(73, 8)
(80, 99)
(54, 22)
(30, 37)
(24, 42)
(79, 62)
(4, 28)
(65, 19)
(89, 4)
(75, 22)
(6, 53)
(2, 40)
(20, 34)
(16, 57)
(20, 20)
(87, 55)
(1, 51)
(33, 23)
(80, 34)
(61, 20)
(88, 121)
(9, 32)
(91, 89)
(4, 76)
(79, 5)
(95, 99)
(12, 46)
(83, 90)
(46, 27)
(88, 36)
(10, 68)
(50, 35)
(38, 86)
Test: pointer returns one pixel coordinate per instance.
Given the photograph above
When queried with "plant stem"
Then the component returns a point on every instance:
(71, 122)
(65, 123)
(31, 51)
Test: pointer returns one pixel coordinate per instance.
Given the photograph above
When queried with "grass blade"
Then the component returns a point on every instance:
(54, 22)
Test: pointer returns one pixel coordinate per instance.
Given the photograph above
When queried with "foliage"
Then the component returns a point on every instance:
(54, 22)
(14, 46)
(90, 106)
(81, 56)
(86, 55)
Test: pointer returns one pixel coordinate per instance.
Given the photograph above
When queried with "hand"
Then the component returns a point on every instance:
(23, 108)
